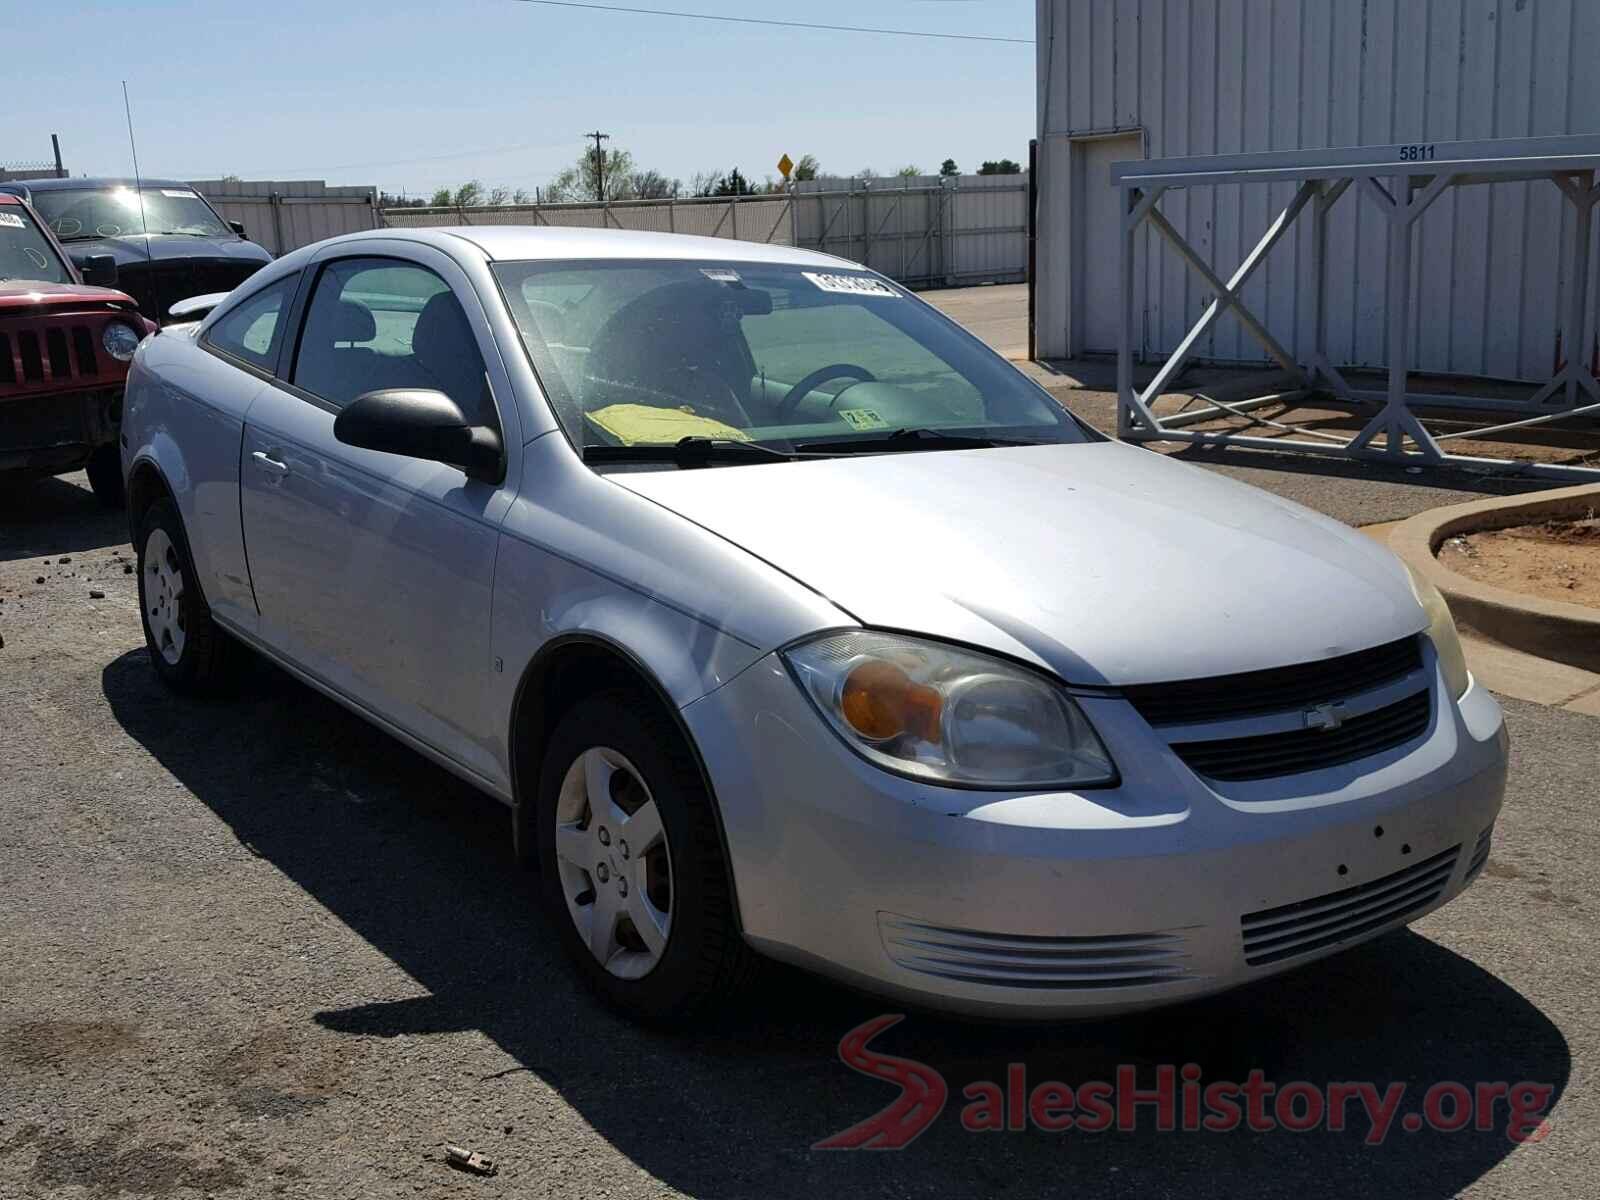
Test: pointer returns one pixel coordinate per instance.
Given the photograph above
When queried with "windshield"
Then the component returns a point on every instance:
(25, 251)
(648, 353)
(76, 213)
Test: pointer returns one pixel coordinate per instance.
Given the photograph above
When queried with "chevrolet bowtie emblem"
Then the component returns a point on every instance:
(1326, 717)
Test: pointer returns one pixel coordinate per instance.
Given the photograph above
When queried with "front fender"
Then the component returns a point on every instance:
(173, 424)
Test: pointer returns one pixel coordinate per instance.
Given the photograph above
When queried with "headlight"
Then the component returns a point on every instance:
(119, 340)
(947, 715)
(1442, 632)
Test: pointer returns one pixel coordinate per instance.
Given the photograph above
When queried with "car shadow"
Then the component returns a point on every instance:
(55, 515)
(420, 866)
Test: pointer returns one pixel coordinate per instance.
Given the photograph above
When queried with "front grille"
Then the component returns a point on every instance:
(46, 351)
(157, 287)
(1274, 934)
(1251, 693)
(1021, 960)
(1268, 755)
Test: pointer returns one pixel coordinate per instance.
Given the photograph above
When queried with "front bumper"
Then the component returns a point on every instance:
(47, 433)
(1082, 903)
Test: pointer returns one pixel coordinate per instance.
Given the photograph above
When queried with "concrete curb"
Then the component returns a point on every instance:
(1566, 633)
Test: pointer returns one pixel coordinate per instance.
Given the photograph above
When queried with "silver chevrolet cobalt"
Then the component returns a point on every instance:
(788, 620)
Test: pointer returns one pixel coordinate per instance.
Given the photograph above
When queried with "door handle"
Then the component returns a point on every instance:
(267, 463)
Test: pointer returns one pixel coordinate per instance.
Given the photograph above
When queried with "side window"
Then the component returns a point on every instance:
(380, 323)
(253, 330)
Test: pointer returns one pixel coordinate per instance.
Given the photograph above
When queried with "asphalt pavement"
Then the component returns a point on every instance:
(253, 947)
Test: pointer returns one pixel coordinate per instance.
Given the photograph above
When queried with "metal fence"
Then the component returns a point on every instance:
(746, 218)
(926, 230)
(283, 215)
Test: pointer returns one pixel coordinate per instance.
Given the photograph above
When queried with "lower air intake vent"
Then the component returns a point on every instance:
(1480, 852)
(1020, 960)
(1292, 929)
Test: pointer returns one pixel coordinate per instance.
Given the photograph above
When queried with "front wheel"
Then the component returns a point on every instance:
(186, 648)
(633, 870)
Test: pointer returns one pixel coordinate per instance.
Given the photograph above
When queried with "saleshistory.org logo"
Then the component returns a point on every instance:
(1177, 1099)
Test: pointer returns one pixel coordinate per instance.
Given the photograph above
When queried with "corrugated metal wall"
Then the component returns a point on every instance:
(283, 215)
(1230, 76)
(923, 229)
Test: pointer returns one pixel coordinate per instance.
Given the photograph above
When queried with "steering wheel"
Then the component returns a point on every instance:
(806, 386)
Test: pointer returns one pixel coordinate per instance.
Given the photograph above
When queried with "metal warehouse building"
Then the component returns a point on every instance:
(1133, 79)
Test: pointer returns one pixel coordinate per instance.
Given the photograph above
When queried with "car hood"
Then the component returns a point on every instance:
(29, 293)
(1105, 563)
(129, 251)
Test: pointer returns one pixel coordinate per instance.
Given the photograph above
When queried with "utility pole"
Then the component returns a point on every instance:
(599, 164)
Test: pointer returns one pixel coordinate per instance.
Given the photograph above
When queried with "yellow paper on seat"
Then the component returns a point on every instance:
(644, 424)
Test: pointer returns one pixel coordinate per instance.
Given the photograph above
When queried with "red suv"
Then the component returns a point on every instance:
(65, 346)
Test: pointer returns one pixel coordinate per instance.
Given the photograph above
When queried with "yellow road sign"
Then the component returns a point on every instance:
(785, 165)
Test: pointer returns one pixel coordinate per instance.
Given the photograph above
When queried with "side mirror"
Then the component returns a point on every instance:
(425, 424)
(98, 270)
(237, 227)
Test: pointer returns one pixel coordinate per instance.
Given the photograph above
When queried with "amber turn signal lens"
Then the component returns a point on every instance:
(880, 701)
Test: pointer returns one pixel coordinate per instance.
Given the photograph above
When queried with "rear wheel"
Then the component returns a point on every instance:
(104, 469)
(633, 871)
(186, 648)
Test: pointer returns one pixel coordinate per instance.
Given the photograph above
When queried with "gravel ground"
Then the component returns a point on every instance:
(254, 948)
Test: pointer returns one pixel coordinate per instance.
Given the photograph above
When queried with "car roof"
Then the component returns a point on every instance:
(64, 185)
(8, 198)
(519, 243)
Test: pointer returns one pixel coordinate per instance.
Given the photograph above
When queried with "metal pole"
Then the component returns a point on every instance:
(733, 214)
(55, 144)
(1130, 197)
(1578, 287)
(1399, 315)
(1319, 279)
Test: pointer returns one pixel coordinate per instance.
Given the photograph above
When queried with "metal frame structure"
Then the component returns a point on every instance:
(1420, 172)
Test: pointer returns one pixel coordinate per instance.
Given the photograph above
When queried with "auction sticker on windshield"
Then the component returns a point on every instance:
(11, 221)
(862, 418)
(851, 285)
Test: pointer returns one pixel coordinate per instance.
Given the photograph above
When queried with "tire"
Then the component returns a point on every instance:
(105, 476)
(189, 652)
(701, 960)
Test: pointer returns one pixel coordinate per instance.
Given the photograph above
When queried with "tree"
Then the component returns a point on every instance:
(1004, 167)
(399, 200)
(470, 192)
(807, 168)
(581, 181)
(733, 184)
(704, 183)
(909, 171)
(948, 167)
(652, 185)
(866, 173)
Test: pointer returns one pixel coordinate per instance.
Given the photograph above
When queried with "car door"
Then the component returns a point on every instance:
(374, 572)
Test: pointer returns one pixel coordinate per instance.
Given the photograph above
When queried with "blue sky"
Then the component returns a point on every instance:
(411, 96)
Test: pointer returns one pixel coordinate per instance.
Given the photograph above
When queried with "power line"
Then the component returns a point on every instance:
(694, 16)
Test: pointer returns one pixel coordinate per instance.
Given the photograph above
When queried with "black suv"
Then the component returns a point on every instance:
(168, 242)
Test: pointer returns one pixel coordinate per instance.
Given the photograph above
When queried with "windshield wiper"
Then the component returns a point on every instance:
(914, 438)
(691, 452)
